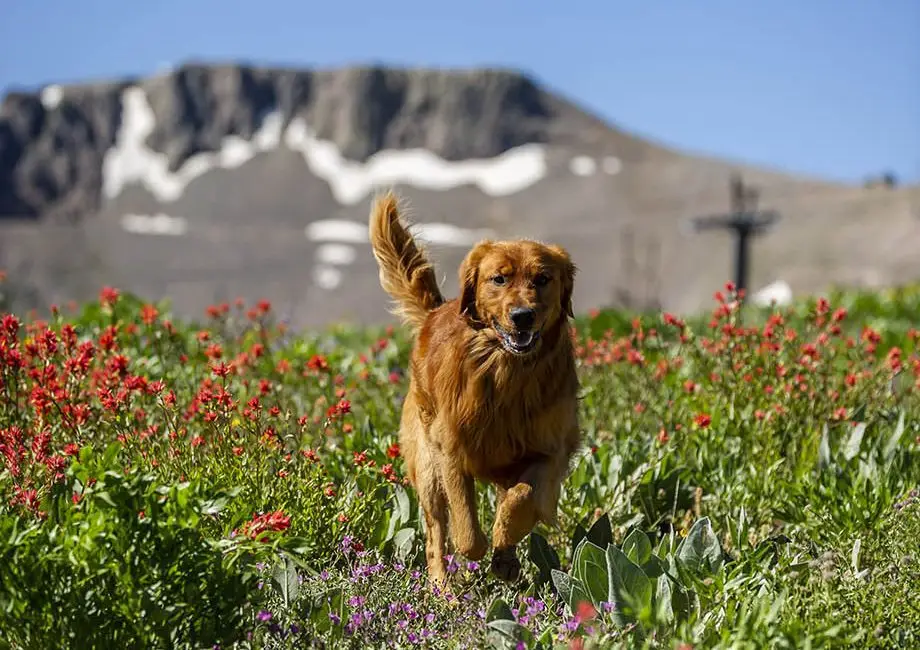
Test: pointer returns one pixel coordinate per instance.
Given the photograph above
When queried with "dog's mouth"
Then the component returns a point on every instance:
(518, 342)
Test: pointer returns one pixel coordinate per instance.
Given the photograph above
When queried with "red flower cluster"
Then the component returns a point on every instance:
(275, 522)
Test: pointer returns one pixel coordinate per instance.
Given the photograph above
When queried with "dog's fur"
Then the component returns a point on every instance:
(477, 408)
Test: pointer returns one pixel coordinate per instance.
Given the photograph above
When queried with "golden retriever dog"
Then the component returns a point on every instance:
(492, 392)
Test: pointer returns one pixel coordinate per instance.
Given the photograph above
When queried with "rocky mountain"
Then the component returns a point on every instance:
(216, 181)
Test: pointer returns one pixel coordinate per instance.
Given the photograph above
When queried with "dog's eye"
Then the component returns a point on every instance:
(541, 280)
(498, 280)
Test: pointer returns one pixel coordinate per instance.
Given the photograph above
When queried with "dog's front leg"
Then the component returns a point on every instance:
(465, 531)
(533, 498)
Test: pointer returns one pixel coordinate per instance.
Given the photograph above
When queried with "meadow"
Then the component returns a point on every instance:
(749, 479)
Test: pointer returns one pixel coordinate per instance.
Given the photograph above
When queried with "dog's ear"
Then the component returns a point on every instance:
(469, 278)
(567, 272)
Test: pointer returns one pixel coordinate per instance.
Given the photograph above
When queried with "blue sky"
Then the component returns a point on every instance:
(824, 87)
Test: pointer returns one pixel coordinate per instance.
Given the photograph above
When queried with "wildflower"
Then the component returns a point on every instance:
(108, 296)
(702, 420)
(149, 314)
(318, 363)
(264, 616)
(393, 450)
(275, 521)
(389, 473)
(221, 370)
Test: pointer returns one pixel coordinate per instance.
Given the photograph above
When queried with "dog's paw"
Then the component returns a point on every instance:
(505, 564)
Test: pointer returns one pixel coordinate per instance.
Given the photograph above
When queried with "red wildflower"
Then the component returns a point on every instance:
(149, 314)
(702, 420)
(389, 473)
(222, 369)
(108, 296)
(393, 450)
(585, 611)
(318, 363)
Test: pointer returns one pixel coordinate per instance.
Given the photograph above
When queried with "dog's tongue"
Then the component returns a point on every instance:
(522, 339)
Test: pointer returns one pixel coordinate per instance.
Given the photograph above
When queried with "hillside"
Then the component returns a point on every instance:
(216, 181)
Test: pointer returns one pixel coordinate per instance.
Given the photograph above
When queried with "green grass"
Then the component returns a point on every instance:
(748, 480)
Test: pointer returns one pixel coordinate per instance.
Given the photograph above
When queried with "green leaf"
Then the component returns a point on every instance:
(590, 567)
(854, 555)
(629, 589)
(403, 542)
(891, 445)
(577, 535)
(403, 506)
(654, 567)
(503, 633)
(700, 552)
(543, 556)
(600, 533)
(499, 610)
(637, 547)
(214, 506)
(106, 497)
(742, 534)
(824, 450)
(851, 449)
(285, 575)
(664, 610)
(111, 453)
(570, 589)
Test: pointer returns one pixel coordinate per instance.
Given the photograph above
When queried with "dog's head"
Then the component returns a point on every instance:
(520, 289)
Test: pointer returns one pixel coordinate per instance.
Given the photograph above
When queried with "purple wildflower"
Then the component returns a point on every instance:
(264, 615)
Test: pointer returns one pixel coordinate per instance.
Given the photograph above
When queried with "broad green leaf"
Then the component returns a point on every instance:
(403, 541)
(577, 536)
(891, 445)
(570, 589)
(285, 575)
(600, 532)
(507, 634)
(590, 568)
(499, 610)
(403, 506)
(628, 588)
(854, 440)
(654, 567)
(637, 547)
(664, 611)
(824, 450)
(543, 556)
(700, 552)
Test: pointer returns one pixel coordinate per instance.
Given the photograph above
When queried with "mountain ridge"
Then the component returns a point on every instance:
(225, 178)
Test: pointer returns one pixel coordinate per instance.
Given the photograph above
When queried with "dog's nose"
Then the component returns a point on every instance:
(523, 317)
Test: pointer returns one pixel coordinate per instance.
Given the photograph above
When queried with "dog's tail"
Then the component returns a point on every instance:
(405, 272)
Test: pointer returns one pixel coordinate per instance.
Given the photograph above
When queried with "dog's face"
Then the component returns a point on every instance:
(520, 289)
